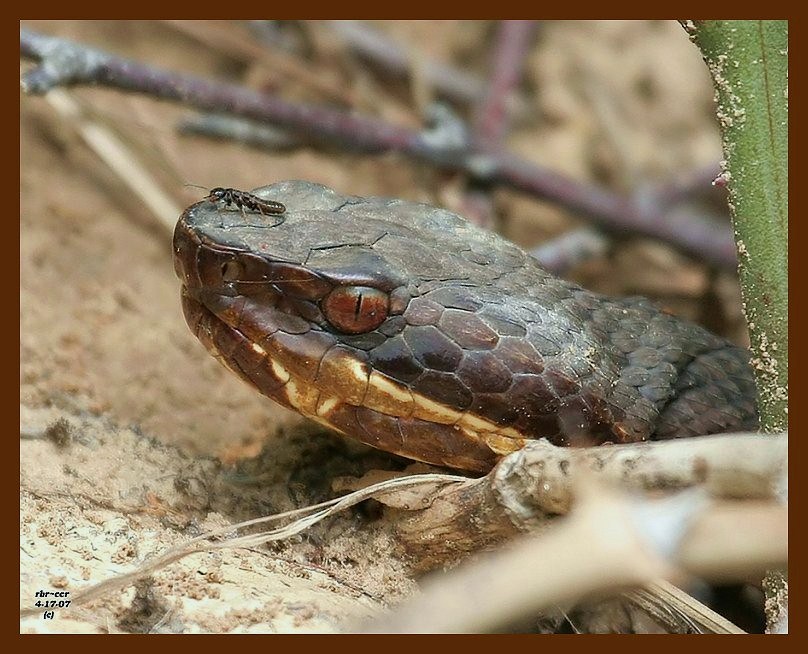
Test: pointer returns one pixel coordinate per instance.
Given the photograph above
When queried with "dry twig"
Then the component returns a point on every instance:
(378, 48)
(491, 116)
(120, 159)
(536, 483)
(725, 541)
(608, 542)
(65, 63)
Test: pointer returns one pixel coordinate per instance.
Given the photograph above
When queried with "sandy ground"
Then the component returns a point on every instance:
(163, 443)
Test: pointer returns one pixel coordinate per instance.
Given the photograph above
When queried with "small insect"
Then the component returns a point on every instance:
(231, 197)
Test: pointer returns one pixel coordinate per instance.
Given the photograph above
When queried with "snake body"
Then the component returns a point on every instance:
(406, 327)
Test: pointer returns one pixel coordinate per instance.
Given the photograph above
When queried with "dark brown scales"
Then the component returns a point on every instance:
(480, 349)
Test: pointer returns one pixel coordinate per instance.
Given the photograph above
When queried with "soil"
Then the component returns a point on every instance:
(154, 441)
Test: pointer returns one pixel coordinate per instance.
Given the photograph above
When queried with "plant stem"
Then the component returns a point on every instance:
(748, 61)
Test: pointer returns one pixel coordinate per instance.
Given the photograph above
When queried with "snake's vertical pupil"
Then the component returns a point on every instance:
(355, 309)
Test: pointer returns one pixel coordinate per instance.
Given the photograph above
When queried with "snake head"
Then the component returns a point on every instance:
(408, 328)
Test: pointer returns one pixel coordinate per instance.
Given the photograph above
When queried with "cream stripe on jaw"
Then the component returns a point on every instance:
(326, 405)
(387, 396)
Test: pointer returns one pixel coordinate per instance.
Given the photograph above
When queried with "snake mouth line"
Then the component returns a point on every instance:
(389, 399)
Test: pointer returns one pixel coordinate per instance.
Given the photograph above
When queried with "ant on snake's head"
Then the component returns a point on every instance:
(218, 193)
(244, 201)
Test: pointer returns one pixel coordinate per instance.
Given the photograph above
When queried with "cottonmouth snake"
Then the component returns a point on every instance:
(411, 330)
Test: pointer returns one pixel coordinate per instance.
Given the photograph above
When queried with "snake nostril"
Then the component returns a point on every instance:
(231, 271)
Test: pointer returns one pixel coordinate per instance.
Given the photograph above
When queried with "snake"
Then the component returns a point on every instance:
(410, 329)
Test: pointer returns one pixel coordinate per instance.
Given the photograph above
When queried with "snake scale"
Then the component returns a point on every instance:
(406, 327)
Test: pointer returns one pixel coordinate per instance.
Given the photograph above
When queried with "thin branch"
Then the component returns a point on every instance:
(375, 46)
(241, 130)
(511, 48)
(68, 63)
(492, 120)
(239, 44)
(491, 117)
(64, 62)
(670, 604)
(568, 250)
(709, 240)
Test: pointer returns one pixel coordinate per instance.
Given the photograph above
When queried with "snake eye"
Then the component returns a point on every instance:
(232, 271)
(355, 309)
